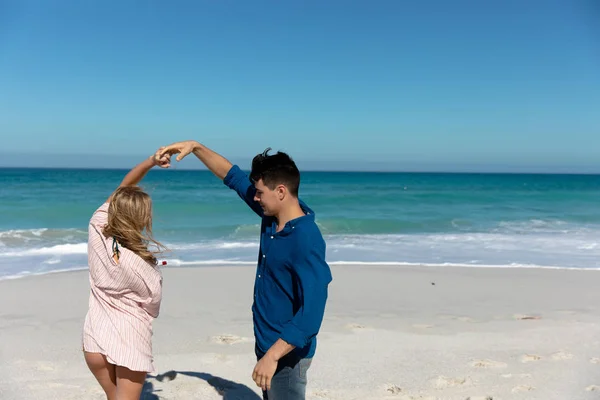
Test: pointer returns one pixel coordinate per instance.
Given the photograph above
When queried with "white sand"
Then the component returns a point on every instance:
(388, 334)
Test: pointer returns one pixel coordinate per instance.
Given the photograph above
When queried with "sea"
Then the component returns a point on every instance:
(441, 219)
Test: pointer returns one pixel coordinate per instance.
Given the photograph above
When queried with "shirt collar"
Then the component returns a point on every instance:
(292, 224)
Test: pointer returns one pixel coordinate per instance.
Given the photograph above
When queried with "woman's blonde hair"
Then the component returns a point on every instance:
(130, 222)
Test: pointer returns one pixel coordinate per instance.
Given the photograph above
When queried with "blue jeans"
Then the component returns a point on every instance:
(289, 381)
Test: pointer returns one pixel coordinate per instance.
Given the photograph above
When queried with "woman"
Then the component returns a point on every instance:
(126, 287)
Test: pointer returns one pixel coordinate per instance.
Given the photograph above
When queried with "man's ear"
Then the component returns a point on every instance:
(281, 191)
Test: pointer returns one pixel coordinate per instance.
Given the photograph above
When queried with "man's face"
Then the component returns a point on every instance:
(267, 198)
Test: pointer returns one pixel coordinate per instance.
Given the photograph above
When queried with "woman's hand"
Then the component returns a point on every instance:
(161, 160)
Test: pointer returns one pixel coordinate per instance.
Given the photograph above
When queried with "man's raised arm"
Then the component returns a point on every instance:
(215, 162)
(231, 175)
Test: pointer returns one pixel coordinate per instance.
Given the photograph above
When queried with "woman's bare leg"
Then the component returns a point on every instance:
(129, 383)
(104, 372)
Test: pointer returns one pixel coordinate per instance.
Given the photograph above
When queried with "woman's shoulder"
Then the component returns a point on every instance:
(100, 216)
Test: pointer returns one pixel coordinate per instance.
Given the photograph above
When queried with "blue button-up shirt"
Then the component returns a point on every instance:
(290, 289)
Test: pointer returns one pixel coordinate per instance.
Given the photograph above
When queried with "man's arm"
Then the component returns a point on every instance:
(230, 174)
(215, 162)
(313, 276)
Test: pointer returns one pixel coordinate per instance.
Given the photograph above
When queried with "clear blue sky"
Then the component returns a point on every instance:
(398, 84)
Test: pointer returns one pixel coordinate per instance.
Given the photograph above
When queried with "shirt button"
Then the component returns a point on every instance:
(271, 237)
(264, 255)
(259, 276)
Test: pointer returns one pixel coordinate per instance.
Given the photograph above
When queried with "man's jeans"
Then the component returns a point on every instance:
(289, 381)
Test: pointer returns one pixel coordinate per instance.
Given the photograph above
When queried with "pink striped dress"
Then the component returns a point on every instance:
(125, 298)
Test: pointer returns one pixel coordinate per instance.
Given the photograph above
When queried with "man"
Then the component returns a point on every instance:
(290, 289)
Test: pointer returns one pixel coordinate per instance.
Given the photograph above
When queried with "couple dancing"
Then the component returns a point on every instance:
(290, 289)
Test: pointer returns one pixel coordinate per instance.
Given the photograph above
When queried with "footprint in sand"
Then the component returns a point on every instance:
(393, 389)
(488, 364)
(228, 339)
(525, 317)
(595, 360)
(561, 355)
(442, 382)
(530, 357)
(522, 389)
(358, 327)
(593, 388)
(321, 393)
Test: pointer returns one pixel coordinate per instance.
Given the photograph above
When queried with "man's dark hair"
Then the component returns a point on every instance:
(276, 169)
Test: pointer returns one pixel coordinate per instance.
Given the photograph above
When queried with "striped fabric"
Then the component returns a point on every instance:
(125, 298)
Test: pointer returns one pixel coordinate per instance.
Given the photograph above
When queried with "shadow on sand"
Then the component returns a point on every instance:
(229, 390)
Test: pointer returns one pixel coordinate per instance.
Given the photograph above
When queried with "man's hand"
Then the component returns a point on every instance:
(264, 371)
(266, 366)
(181, 148)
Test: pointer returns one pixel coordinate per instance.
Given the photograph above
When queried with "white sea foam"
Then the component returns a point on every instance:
(212, 245)
(530, 244)
(60, 249)
(40, 236)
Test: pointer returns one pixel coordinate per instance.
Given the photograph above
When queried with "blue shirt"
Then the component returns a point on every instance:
(290, 288)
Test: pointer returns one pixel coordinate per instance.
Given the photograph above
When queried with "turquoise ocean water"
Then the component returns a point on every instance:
(405, 218)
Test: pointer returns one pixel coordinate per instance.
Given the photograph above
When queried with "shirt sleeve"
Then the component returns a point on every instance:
(153, 292)
(96, 241)
(100, 216)
(313, 276)
(237, 180)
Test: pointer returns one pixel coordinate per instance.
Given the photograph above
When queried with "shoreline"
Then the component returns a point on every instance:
(245, 264)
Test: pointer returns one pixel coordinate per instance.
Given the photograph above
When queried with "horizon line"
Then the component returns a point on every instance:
(383, 171)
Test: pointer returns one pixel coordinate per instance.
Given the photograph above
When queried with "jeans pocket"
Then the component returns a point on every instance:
(303, 367)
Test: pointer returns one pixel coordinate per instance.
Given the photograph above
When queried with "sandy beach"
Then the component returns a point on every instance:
(390, 332)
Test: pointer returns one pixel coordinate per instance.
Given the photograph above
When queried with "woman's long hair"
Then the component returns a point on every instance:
(130, 222)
